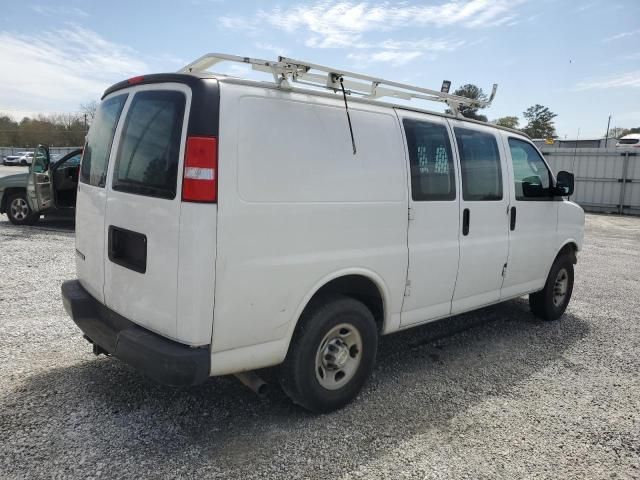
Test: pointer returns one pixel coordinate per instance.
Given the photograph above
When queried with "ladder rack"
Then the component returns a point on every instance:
(286, 70)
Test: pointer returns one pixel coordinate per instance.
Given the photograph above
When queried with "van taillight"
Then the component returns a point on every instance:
(200, 179)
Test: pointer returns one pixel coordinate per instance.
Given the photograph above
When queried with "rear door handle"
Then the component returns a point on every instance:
(466, 218)
(512, 220)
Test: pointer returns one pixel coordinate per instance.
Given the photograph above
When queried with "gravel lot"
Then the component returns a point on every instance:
(491, 394)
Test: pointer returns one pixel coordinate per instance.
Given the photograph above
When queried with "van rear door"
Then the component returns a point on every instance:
(92, 195)
(142, 218)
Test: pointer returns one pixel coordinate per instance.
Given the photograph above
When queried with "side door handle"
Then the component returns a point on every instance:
(466, 218)
(512, 220)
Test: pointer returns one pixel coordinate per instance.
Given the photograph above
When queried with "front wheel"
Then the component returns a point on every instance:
(551, 302)
(331, 355)
(19, 212)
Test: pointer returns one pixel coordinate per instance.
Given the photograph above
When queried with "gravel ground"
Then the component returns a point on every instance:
(491, 394)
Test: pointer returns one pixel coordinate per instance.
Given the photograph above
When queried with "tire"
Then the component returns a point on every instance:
(331, 355)
(551, 302)
(18, 210)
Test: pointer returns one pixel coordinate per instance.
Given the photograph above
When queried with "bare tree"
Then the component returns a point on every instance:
(89, 109)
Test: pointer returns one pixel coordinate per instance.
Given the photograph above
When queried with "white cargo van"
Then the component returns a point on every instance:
(226, 225)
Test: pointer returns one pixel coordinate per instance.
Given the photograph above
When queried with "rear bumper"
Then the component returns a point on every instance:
(161, 359)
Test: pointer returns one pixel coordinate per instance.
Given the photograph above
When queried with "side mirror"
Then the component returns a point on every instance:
(532, 187)
(564, 184)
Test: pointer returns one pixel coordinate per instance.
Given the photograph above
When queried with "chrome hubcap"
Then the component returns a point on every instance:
(560, 287)
(19, 208)
(338, 356)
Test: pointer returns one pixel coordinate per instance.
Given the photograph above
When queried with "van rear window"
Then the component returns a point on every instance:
(148, 155)
(99, 139)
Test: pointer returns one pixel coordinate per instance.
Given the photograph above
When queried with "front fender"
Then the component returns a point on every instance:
(570, 225)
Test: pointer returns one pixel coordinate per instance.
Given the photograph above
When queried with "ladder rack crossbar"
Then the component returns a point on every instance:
(286, 69)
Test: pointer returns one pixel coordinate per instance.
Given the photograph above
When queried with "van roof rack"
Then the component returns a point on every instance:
(286, 69)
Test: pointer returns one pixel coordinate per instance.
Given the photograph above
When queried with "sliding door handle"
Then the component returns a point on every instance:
(512, 220)
(466, 218)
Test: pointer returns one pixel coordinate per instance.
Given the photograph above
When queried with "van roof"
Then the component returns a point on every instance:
(192, 78)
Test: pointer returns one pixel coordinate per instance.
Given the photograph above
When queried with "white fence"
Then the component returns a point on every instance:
(607, 180)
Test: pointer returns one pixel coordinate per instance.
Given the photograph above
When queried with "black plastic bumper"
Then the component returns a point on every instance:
(161, 359)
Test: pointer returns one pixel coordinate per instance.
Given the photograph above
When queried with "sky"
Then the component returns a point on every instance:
(579, 58)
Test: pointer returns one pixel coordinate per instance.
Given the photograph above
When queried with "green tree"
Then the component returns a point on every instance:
(539, 122)
(471, 91)
(8, 131)
(509, 122)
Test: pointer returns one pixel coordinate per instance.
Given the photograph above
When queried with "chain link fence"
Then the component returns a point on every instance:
(4, 151)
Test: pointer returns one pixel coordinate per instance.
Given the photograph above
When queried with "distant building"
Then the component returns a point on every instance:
(575, 143)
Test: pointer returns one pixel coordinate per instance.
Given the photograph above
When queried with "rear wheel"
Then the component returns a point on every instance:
(551, 302)
(19, 212)
(331, 355)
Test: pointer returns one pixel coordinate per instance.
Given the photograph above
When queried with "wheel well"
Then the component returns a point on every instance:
(571, 250)
(7, 193)
(359, 287)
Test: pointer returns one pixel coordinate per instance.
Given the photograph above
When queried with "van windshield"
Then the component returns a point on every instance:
(148, 155)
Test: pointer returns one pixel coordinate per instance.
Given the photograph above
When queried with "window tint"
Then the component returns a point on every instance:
(432, 171)
(72, 161)
(40, 160)
(480, 164)
(99, 139)
(147, 162)
(528, 166)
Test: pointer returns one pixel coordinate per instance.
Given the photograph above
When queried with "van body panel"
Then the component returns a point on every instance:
(296, 205)
(90, 238)
(196, 272)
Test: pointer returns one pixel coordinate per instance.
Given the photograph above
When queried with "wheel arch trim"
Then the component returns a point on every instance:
(369, 274)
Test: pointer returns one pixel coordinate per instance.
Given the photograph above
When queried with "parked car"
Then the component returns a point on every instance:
(629, 141)
(21, 158)
(315, 227)
(49, 187)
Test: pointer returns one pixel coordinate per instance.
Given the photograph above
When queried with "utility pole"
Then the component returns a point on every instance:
(606, 135)
(85, 124)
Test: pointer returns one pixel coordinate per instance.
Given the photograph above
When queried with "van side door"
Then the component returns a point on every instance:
(533, 218)
(484, 238)
(434, 212)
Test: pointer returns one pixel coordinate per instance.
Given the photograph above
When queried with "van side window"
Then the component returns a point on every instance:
(95, 157)
(528, 166)
(431, 161)
(148, 155)
(480, 165)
